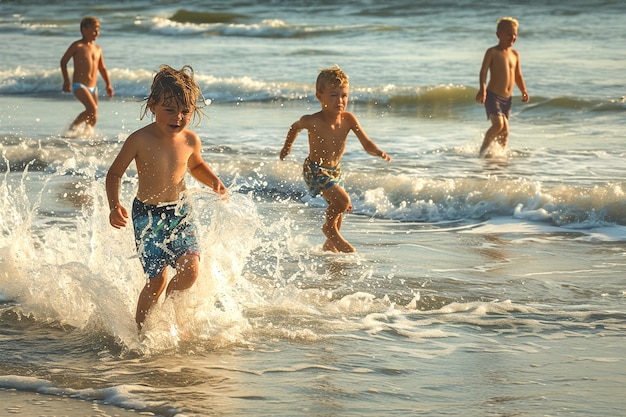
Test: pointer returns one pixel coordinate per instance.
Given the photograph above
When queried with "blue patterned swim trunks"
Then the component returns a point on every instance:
(163, 234)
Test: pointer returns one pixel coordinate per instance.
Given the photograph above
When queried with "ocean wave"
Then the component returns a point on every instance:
(403, 194)
(235, 27)
(407, 197)
(136, 83)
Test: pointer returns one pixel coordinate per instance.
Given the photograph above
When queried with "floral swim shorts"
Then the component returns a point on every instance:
(319, 178)
(163, 234)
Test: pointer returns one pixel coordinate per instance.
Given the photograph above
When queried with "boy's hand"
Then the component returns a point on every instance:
(385, 156)
(481, 96)
(284, 152)
(221, 190)
(525, 97)
(118, 217)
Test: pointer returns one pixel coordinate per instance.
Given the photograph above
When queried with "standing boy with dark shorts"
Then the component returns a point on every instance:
(503, 64)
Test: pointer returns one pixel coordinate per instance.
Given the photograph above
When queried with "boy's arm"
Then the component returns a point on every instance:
(105, 76)
(292, 134)
(519, 80)
(118, 214)
(481, 96)
(67, 86)
(201, 171)
(367, 143)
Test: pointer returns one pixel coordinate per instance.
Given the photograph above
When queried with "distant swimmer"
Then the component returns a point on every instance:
(88, 60)
(328, 131)
(503, 64)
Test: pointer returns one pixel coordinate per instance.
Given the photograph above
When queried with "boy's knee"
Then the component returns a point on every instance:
(498, 122)
(188, 265)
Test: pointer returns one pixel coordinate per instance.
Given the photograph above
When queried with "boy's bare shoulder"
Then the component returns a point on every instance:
(349, 120)
(491, 50)
(142, 134)
(73, 47)
(350, 117)
(308, 120)
(191, 137)
(311, 117)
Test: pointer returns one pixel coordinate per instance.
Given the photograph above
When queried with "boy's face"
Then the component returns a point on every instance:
(91, 33)
(507, 35)
(334, 98)
(171, 116)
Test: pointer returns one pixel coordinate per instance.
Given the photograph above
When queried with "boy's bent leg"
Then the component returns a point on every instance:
(149, 296)
(90, 102)
(187, 268)
(338, 203)
(498, 123)
(503, 137)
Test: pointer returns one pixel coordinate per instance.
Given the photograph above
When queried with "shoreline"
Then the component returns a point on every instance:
(15, 402)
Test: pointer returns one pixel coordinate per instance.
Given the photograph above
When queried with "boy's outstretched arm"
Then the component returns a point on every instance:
(292, 134)
(203, 173)
(367, 143)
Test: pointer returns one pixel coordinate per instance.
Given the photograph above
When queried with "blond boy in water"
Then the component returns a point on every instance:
(502, 62)
(328, 131)
(164, 151)
(88, 61)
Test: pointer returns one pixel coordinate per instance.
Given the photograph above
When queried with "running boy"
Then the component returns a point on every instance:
(328, 131)
(88, 61)
(163, 152)
(503, 64)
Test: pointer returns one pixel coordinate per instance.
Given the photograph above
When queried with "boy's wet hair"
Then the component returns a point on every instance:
(507, 21)
(333, 76)
(171, 86)
(88, 22)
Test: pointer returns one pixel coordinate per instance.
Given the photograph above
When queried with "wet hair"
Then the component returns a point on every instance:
(176, 86)
(507, 21)
(333, 76)
(88, 22)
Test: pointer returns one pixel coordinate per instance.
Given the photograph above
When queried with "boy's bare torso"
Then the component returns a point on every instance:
(87, 57)
(162, 164)
(502, 66)
(327, 137)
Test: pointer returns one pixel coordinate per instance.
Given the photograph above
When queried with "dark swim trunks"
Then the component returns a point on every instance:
(319, 178)
(495, 104)
(163, 234)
